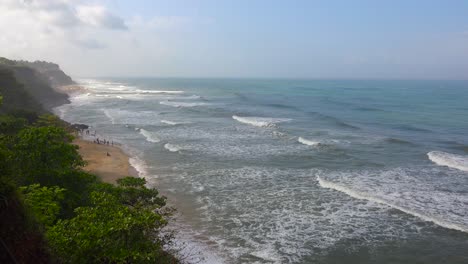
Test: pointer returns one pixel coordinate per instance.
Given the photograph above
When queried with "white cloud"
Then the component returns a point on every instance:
(88, 39)
(35, 23)
(99, 16)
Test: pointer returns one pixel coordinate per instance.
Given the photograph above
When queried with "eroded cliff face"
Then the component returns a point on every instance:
(37, 80)
(55, 76)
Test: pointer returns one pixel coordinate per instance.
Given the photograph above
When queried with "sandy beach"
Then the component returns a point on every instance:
(109, 168)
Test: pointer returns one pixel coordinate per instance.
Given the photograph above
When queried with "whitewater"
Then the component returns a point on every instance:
(296, 171)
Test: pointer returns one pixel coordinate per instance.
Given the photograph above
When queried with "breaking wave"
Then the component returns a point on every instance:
(450, 160)
(365, 196)
(157, 92)
(150, 136)
(182, 104)
(140, 166)
(260, 121)
(108, 115)
(172, 123)
(308, 142)
(172, 147)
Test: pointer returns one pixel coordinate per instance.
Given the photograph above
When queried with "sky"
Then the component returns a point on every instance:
(361, 39)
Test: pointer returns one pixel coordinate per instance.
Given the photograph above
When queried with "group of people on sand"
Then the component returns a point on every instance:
(89, 133)
(97, 140)
(103, 141)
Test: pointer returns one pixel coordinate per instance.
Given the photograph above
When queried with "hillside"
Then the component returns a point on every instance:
(36, 79)
(15, 97)
(55, 76)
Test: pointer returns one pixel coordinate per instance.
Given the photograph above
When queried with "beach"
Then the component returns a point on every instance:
(108, 168)
(263, 176)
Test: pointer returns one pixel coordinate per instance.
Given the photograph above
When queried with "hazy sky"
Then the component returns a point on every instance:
(237, 38)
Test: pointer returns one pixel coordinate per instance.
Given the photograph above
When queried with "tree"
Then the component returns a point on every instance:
(44, 155)
(132, 192)
(49, 120)
(44, 202)
(11, 125)
(109, 232)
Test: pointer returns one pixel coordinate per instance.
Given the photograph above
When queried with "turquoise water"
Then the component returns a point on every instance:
(297, 171)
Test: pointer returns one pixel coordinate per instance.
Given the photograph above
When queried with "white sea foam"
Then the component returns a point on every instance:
(172, 123)
(192, 97)
(127, 117)
(150, 136)
(254, 217)
(108, 115)
(366, 196)
(101, 87)
(308, 142)
(172, 147)
(140, 166)
(120, 88)
(260, 121)
(449, 160)
(157, 92)
(182, 104)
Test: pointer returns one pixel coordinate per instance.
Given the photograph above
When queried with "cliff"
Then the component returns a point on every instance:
(55, 76)
(32, 79)
(15, 97)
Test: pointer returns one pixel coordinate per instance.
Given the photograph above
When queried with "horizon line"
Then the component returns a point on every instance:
(275, 78)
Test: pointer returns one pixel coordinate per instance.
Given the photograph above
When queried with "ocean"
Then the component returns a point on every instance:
(296, 171)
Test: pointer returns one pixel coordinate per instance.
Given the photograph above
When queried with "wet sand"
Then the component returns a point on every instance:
(108, 168)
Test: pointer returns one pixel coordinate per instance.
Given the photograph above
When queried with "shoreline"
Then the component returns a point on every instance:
(108, 162)
(120, 164)
(71, 90)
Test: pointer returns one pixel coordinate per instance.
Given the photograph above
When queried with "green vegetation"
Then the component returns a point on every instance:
(43, 202)
(53, 211)
(79, 218)
(29, 86)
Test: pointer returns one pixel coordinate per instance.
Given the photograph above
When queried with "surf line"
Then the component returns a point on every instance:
(363, 196)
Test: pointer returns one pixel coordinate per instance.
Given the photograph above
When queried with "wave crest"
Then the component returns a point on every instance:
(150, 136)
(308, 142)
(172, 147)
(182, 104)
(448, 159)
(260, 121)
(365, 196)
(167, 122)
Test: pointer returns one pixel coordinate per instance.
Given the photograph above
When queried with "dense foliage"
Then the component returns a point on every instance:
(53, 211)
